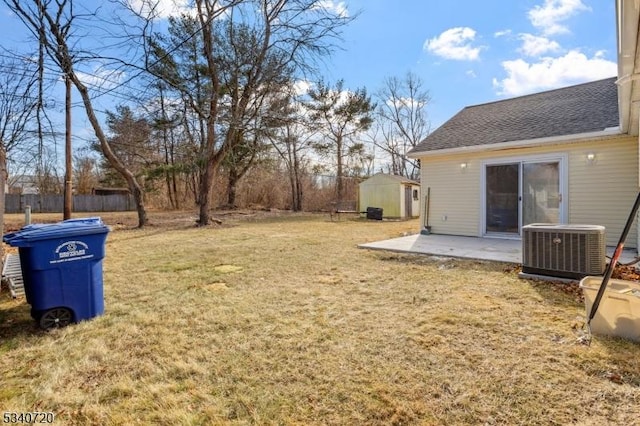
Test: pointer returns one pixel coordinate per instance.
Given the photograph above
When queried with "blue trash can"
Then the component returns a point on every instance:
(62, 269)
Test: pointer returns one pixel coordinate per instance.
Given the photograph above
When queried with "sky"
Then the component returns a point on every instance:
(466, 52)
(469, 52)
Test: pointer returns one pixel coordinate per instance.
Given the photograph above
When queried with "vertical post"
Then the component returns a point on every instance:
(27, 215)
(3, 183)
(68, 188)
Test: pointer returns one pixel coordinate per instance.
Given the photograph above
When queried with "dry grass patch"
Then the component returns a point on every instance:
(285, 321)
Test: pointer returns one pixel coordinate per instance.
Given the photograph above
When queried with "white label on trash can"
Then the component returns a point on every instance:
(70, 251)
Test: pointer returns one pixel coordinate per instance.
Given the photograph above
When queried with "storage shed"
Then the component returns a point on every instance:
(398, 196)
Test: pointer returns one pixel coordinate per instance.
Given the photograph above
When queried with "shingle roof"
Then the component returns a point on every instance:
(400, 179)
(583, 108)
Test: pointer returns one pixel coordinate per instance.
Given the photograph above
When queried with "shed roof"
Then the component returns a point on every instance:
(583, 108)
(396, 178)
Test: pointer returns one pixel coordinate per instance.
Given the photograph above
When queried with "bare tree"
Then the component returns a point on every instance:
(174, 129)
(402, 121)
(47, 178)
(291, 138)
(85, 171)
(285, 36)
(52, 24)
(165, 123)
(18, 105)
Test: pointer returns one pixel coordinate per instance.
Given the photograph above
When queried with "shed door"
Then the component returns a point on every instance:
(408, 201)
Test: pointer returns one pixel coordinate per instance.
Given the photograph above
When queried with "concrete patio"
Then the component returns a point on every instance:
(494, 249)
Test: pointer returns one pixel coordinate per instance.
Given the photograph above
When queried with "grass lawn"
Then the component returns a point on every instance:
(283, 320)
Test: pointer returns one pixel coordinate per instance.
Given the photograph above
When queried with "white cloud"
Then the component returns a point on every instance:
(408, 103)
(471, 73)
(338, 8)
(160, 9)
(537, 46)
(454, 43)
(549, 73)
(502, 33)
(301, 87)
(549, 17)
(101, 78)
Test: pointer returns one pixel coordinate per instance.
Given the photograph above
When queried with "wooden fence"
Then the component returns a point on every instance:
(16, 203)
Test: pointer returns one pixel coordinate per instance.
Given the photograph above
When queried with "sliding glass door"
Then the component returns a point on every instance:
(521, 193)
(502, 196)
(540, 193)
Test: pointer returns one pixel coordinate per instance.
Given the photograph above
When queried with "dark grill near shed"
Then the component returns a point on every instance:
(374, 213)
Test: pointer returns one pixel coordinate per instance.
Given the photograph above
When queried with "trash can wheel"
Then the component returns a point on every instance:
(55, 318)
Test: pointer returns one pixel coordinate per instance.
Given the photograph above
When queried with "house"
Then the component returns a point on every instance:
(563, 156)
(555, 157)
(397, 196)
(560, 156)
(22, 184)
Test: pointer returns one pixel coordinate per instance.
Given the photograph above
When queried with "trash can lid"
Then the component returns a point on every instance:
(66, 228)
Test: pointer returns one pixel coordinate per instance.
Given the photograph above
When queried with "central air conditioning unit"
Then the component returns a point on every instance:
(567, 251)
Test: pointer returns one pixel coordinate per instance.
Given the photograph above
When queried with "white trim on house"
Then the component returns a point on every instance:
(627, 34)
(552, 140)
(561, 157)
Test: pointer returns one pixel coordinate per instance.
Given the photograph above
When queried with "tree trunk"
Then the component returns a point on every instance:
(237, 172)
(174, 183)
(3, 182)
(170, 195)
(339, 182)
(192, 187)
(294, 189)
(299, 195)
(232, 186)
(138, 199)
(174, 186)
(167, 173)
(297, 182)
(205, 16)
(170, 175)
(204, 193)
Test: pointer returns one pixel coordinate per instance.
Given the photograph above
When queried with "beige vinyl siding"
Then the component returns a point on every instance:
(599, 193)
(454, 206)
(603, 192)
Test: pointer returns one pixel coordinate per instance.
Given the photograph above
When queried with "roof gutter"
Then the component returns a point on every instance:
(627, 13)
(552, 140)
